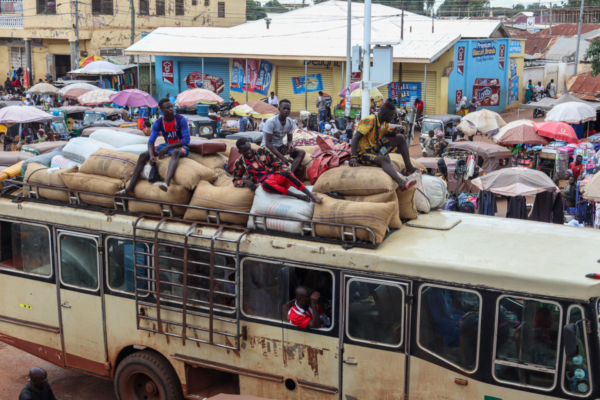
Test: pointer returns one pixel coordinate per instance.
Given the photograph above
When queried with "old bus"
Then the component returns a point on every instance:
(451, 306)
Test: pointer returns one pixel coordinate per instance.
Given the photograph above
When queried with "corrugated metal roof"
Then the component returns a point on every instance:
(316, 32)
(585, 86)
(538, 44)
(564, 47)
(569, 29)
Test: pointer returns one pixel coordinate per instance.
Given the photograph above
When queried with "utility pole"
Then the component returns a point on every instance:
(551, 18)
(578, 37)
(77, 31)
(366, 72)
(132, 39)
(402, 23)
(348, 58)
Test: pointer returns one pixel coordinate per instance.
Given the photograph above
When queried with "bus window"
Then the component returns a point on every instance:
(375, 312)
(78, 261)
(527, 337)
(25, 248)
(576, 374)
(198, 280)
(449, 322)
(121, 268)
(269, 289)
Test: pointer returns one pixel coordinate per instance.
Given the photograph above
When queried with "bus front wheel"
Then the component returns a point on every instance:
(147, 375)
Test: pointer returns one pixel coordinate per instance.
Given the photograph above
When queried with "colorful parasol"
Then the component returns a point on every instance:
(195, 96)
(95, 97)
(556, 130)
(134, 98)
(85, 61)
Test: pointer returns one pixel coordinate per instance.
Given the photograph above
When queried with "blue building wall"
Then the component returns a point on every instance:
(482, 61)
(182, 66)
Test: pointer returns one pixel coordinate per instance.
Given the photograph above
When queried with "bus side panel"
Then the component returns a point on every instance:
(429, 381)
(34, 302)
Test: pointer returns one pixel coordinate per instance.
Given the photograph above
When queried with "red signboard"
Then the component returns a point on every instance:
(210, 82)
(502, 50)
(461, 60)
(459, 95)
(355, 76)
(167, 71)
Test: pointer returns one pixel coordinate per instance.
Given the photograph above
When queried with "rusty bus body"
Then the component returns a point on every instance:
(69, 295)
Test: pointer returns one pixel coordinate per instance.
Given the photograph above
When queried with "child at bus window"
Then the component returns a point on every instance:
(306, 311)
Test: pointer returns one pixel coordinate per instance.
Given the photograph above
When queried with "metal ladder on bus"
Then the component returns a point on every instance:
(191, 268)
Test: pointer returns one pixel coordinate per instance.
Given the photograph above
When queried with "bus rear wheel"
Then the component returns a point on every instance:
(147, 375)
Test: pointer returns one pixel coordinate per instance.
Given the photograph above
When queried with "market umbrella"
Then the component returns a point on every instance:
(75, 90)
(516, 181)
(194, 96)
(22, 115)
(572, 113)
(523, 134)
(85, 61)
(133, 98)
(485, 122)
(356, 95)
(98, 96)
(42, 88)
(591, 190)
(256, 108)
(353, 87)
(556, 131)
(98, 68)
(509, 126)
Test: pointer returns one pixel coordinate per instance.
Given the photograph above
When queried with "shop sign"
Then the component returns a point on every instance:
(459, 96)
(314, 83)
(210, 82)
(515, 47)
(530, 24)
(355, 76)
(513, 92)
(461, 60)
(265, 75)
(487, 91)
(484, 51)
(501, 57)
(513, 68)
(237, 75)
(406, 93)
(167, 71)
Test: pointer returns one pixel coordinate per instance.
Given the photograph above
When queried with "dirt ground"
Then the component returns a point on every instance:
(15, 364)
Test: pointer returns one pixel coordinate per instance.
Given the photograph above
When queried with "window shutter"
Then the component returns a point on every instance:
(144, 7)
(179, 9)
(160, 7)
(206, 3)
(96, 6)
(107, 7)
(221, 10)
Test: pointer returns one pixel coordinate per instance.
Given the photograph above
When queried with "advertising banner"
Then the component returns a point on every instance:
(501, 57)
(409, 91)
(531, 24)
(487, 91)
(513, 68)
(213, 83)
(252, 70)
(461, 60)
(265, 75)
(513, 93)
(238, 69)
(167, 71)
(515, 47)
(484, 51)
(459, 96)
(355, 76)
(314, 83)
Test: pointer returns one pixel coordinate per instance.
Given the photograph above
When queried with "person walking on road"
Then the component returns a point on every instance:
(321, 106)
(38, 387)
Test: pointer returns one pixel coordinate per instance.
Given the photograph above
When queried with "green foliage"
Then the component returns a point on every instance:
(464, 8)
(274, 6)
(593, 54)
(254, 11)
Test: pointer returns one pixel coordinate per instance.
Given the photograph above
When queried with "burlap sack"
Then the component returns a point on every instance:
(95, 184)
(355, 181)
(188, 174)
(308, 150)
(395, 222)
(231, 143)
(375, 216)
(398, 163)
(221, 198)
(38, 174)
(406, 203)
(223, 179)
(212, 161)
(421, 200)
(148, 191)
(111, 163)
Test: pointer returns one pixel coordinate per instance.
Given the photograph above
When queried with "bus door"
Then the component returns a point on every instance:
(375, 333)
(79, 257)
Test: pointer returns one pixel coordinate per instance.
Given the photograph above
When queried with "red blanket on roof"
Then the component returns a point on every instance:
(327, 155)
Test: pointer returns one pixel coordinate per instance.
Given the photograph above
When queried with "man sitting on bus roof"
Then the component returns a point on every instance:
(306, 311)
(174, 128)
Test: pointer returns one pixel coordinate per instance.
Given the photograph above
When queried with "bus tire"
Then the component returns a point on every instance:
(147, 375)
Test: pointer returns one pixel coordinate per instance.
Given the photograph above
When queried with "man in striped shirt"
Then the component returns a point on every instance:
(306, 311)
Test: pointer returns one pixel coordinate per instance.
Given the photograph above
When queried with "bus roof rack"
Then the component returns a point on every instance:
(348, 233)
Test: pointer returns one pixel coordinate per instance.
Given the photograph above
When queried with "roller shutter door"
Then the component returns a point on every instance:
(417, 76)
(285, 89)
(212, 66)
(17, 58)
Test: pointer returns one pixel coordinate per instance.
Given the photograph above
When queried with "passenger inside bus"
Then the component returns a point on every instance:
(306, 311)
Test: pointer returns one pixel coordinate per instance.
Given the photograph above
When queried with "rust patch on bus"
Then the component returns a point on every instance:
(266, 344)
(44, 352)
(291, 351)
(237, 353)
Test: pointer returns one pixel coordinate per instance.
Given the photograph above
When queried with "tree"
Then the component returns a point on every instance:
(593, 53)
(254, 11)
(274, 6)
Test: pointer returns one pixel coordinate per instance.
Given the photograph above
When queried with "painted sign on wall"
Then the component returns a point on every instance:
(487, 91)
(167, 71)
(513, 68)
(210, 82)
(265, 75)
(314, 83)
(459, 96)
(513, 93)
(461, 60)
(515, 47)
(237, 75)
(501, 57)
(484, 51)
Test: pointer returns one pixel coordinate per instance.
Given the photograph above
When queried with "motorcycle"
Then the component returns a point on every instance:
(225, 109)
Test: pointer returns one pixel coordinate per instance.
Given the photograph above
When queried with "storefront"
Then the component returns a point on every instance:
(487, 70)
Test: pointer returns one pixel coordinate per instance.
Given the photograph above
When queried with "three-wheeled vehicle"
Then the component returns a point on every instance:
(439, 123)
(73, 117)
(59, 128)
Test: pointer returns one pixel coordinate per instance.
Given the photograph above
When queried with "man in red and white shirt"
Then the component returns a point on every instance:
(306, 312)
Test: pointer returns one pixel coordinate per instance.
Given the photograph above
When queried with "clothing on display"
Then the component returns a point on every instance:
(128, 80)
(585, 213)
(486, 203)
(517, 207)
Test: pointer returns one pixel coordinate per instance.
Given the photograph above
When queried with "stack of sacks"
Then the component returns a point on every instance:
(79, 149)
(44, 159)
(436, 190)
(421, 200)
(13, 171)
(230, 143)
(10, 158)
(63, 162)
(227, 198)
(277, 205)
(123, 141)
(207, 153)
(223, 179)
(41, 175)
